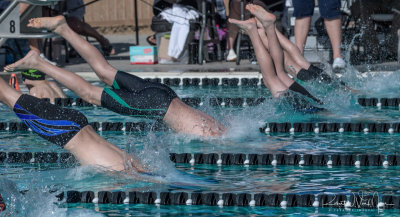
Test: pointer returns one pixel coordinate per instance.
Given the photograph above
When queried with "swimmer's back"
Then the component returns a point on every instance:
(49, 90)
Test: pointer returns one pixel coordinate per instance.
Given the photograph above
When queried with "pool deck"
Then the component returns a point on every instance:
(120, 61)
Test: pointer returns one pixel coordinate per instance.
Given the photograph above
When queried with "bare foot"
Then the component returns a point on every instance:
(259, 24)
(49, 23)
(246, 25)
(266, 18)
(28, 62)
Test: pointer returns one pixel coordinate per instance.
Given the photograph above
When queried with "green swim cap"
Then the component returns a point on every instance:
(33, 74)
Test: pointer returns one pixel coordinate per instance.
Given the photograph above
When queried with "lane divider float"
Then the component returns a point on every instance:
(226, 159)
(347, 200)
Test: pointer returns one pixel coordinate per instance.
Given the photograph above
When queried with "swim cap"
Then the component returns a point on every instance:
(33, 74)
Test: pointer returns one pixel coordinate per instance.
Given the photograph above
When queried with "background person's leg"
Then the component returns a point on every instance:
(34, 44)
(301, 29)
(303, 11)
(85, 29)
(330, 11)
(233, 30)
(334, 29)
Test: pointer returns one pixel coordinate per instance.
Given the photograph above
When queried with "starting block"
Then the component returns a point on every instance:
(13, 25)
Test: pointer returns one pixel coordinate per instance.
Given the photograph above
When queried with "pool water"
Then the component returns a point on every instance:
(41, 182)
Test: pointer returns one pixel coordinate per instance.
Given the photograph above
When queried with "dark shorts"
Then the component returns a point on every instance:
(329, 9)
(131, 95)
(55, 124)
(299, 103)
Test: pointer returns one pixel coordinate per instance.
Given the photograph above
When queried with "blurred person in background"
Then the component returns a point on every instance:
(330, 11)
(74, 13)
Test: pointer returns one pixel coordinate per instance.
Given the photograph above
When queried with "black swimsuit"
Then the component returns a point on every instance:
(55, 124)
(131, 95)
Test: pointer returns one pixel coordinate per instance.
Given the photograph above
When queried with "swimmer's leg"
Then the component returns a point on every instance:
(295, 64)
(293, 85)
(291, 67)
(268, 24)
(88, 52)
(270, 78)
(292, 50)
(307, 71)
(72, 81)
(185, 119)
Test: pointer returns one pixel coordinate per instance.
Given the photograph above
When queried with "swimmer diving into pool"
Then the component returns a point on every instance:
(68, 129)
(129, 95)
(295, 63)
(272, 63)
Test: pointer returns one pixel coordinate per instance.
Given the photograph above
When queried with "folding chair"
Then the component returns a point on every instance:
(208, 21)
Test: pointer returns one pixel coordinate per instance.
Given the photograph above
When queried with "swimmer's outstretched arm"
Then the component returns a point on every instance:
(72, 81)
(93, 57)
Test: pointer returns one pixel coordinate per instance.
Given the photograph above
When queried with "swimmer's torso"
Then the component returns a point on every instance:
(47, 90)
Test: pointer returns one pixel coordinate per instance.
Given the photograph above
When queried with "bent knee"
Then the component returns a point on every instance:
(92, 95)
(106, 79)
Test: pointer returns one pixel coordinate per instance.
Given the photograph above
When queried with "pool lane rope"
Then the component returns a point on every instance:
(368, 127)
(239, 102)
(98, 126)
(192, 101)
(380, 103)
(272, 127)
(348, 200)
(228, 159)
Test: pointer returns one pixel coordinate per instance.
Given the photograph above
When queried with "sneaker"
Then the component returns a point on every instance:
(231, 56)
(338, 63)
